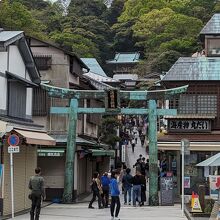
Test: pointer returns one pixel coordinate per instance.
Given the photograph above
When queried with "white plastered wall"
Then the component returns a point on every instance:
(3, 81)
(16, 63)
(3, 61)
(29, 102)
(3, 93)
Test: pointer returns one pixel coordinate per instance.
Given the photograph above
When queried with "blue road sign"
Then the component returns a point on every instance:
(13, 140)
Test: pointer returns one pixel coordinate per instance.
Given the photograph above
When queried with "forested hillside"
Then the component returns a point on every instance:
(162, 30)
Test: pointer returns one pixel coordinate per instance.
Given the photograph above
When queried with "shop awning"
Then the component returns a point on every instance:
(212, 161)
(194, 146)
(51, 152)
(102, 152)
(36, 137)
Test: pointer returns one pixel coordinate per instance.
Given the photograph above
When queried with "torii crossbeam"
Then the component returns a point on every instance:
(152, 112)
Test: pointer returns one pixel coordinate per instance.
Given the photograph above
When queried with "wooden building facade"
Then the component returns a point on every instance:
(198, 118)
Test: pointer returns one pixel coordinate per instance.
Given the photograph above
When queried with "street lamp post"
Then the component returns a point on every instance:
(185, 151)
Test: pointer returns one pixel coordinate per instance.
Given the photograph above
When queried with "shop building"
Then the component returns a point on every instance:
(198, 118)
(18, 77)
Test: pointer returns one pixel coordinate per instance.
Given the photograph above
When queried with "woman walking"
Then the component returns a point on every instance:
(97, 191)
(115, 200)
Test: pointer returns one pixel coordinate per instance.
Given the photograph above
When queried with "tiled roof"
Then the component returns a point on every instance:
(7, 35)
(213, 25)
(94, 66)
(132, 57)
(194, 69)
(99, 77)
(8, 38)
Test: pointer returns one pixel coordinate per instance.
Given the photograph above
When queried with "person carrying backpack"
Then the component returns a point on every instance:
(96, 190)
(127, 185)
(36, 185)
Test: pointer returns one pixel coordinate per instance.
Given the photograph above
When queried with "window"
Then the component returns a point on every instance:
(197, 104)
(187, 104)
(16, 99)
(207, 104)
(213, 47)
(40, 102)
(43, 62)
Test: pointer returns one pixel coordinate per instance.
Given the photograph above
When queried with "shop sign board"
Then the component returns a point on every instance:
(52, 154)
(214, 183)
(166, 184)
(13, 149)
(187, 182)
(176, 125)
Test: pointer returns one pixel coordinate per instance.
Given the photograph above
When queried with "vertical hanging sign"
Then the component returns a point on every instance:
(13, 141)
(123, 157)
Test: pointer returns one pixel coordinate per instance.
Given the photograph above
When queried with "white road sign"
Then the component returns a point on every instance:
(13, 149)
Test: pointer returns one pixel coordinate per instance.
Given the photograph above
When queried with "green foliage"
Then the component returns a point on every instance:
(83, 8)
(162, 30)
(33, 4)
(123, 36)
(166, 30)
(15, 16)
(51, 16)
(80, 45)
(209, 204)
(109, 130)
(111, 15)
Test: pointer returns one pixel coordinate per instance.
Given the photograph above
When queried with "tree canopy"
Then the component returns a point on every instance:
(161, 30)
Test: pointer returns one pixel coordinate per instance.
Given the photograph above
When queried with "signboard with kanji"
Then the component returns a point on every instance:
(13, 149)
(175, 125)
(112, 100)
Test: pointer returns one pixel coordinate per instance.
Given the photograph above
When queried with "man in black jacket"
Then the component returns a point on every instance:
(137, 181)
(36, 185)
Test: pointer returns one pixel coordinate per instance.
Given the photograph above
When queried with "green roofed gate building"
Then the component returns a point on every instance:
(122, 68)
(198, 118)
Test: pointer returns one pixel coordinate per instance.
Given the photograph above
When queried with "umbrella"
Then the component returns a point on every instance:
(212, 161)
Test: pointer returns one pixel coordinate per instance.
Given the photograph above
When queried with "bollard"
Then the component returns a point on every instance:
(201, 193)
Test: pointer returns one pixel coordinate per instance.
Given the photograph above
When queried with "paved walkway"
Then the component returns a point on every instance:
(81, 212)
(132, 157)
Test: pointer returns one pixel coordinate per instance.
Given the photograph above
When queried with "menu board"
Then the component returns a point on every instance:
(166, 191)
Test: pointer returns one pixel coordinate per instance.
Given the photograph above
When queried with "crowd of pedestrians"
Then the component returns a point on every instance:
(133, 187)
(107, 187)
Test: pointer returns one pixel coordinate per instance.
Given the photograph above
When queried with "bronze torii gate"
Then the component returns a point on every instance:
(152, 112)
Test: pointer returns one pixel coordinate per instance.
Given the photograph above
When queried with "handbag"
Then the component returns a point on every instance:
(30, 196)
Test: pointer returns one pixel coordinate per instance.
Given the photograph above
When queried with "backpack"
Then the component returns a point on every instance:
(94, 186)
